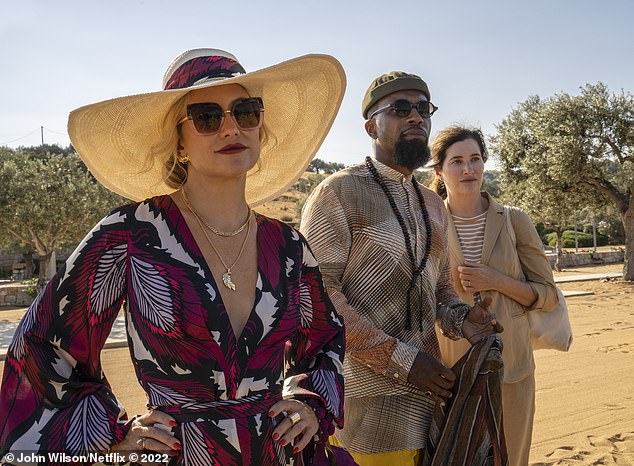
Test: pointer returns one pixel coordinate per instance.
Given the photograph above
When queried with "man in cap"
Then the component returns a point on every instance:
(380, 239)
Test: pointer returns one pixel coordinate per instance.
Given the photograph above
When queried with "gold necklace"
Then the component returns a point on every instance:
(212, 229)
(226, 277)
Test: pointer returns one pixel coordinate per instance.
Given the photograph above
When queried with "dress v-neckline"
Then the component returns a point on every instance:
(200, 258)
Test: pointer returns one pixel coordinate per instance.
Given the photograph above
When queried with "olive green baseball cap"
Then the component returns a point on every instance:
(389, 83)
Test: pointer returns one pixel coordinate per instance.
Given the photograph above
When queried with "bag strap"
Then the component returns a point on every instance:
(511, 229)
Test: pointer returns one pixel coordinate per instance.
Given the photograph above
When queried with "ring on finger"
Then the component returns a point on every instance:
(141, 443)
(295, 418)
(428, 392)
(469, 283)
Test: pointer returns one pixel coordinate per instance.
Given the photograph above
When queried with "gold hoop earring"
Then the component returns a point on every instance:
(182, 158)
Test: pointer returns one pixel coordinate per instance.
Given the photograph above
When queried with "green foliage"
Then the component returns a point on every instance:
(492, 183)
(571, 143)
(541, 229)
(307, 183)
(320, 166)
(561, 155)
(48, 200)
(305, 186)
(585, 240)
(33, 287)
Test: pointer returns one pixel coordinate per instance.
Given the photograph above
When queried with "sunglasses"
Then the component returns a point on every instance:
(403, 108)
(209, 116)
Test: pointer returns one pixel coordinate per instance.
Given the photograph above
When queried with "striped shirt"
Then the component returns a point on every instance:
(361, 251)
(471, 235)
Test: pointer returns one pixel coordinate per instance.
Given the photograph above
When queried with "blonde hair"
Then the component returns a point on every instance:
(174, 172)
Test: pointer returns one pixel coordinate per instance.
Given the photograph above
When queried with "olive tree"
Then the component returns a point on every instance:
(580, 145)
(48, 200)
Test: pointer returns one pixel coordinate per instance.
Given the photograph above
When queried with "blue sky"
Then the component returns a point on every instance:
(480, 58)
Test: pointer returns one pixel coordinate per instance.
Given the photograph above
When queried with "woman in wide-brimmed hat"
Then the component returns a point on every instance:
(231, 333)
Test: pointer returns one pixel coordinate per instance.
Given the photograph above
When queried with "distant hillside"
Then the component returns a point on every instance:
(287, 207)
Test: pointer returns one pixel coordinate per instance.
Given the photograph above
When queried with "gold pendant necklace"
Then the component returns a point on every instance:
(226, 277)
(212, 229)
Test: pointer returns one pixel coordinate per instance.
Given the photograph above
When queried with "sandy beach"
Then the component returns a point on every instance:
(585, 398)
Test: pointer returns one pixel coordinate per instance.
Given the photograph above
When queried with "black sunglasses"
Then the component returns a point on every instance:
(209, 116)
(403, 108)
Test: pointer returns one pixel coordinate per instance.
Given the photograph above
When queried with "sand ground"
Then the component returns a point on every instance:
(585, 398)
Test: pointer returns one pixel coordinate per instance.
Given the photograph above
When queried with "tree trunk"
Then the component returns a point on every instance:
(628, 224)
(27, 257)
(558, 250)
(594, 231)
(47, 268)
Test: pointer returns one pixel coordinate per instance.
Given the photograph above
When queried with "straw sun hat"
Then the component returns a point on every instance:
(126, 142)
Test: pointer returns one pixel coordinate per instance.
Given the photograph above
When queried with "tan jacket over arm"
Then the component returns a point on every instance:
(535, 264)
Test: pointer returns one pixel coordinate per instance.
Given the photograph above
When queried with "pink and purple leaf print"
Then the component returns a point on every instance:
(196, 451)
(325, 383)
(89, 429)
(17, 345)
(109, 280)
(152, 293)
(305, 306)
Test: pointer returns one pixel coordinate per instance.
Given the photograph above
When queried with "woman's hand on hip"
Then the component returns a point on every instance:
(150, 432)
(298, 427)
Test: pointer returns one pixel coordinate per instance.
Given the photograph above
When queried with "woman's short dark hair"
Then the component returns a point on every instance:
(447, 138)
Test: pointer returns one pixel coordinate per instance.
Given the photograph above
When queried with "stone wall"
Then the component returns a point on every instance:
(15, 295)
(6, 263)
(588, 258)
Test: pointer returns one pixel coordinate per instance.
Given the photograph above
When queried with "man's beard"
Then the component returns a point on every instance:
(411, 153)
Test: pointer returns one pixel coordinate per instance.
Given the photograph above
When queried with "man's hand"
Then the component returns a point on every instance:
(428, 374)
(480, 323)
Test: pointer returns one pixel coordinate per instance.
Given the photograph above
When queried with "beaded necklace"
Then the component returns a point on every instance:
(417, 270)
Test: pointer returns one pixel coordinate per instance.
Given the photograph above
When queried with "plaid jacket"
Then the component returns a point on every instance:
(360, 247)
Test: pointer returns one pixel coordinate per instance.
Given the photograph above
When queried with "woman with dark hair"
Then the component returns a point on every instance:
(488, 259)
(231, 333)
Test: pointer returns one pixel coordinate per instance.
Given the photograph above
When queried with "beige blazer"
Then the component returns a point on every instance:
(502, 254)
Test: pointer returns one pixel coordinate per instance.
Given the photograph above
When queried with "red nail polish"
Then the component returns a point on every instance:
(276, 436)
(295, 450)
(283, 442)
(271, 414)
(173, 423)
(178, 446)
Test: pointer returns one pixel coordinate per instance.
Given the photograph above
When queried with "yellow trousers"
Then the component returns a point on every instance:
(386, 458)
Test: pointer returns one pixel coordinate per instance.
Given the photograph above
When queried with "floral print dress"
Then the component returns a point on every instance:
(55, 396)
